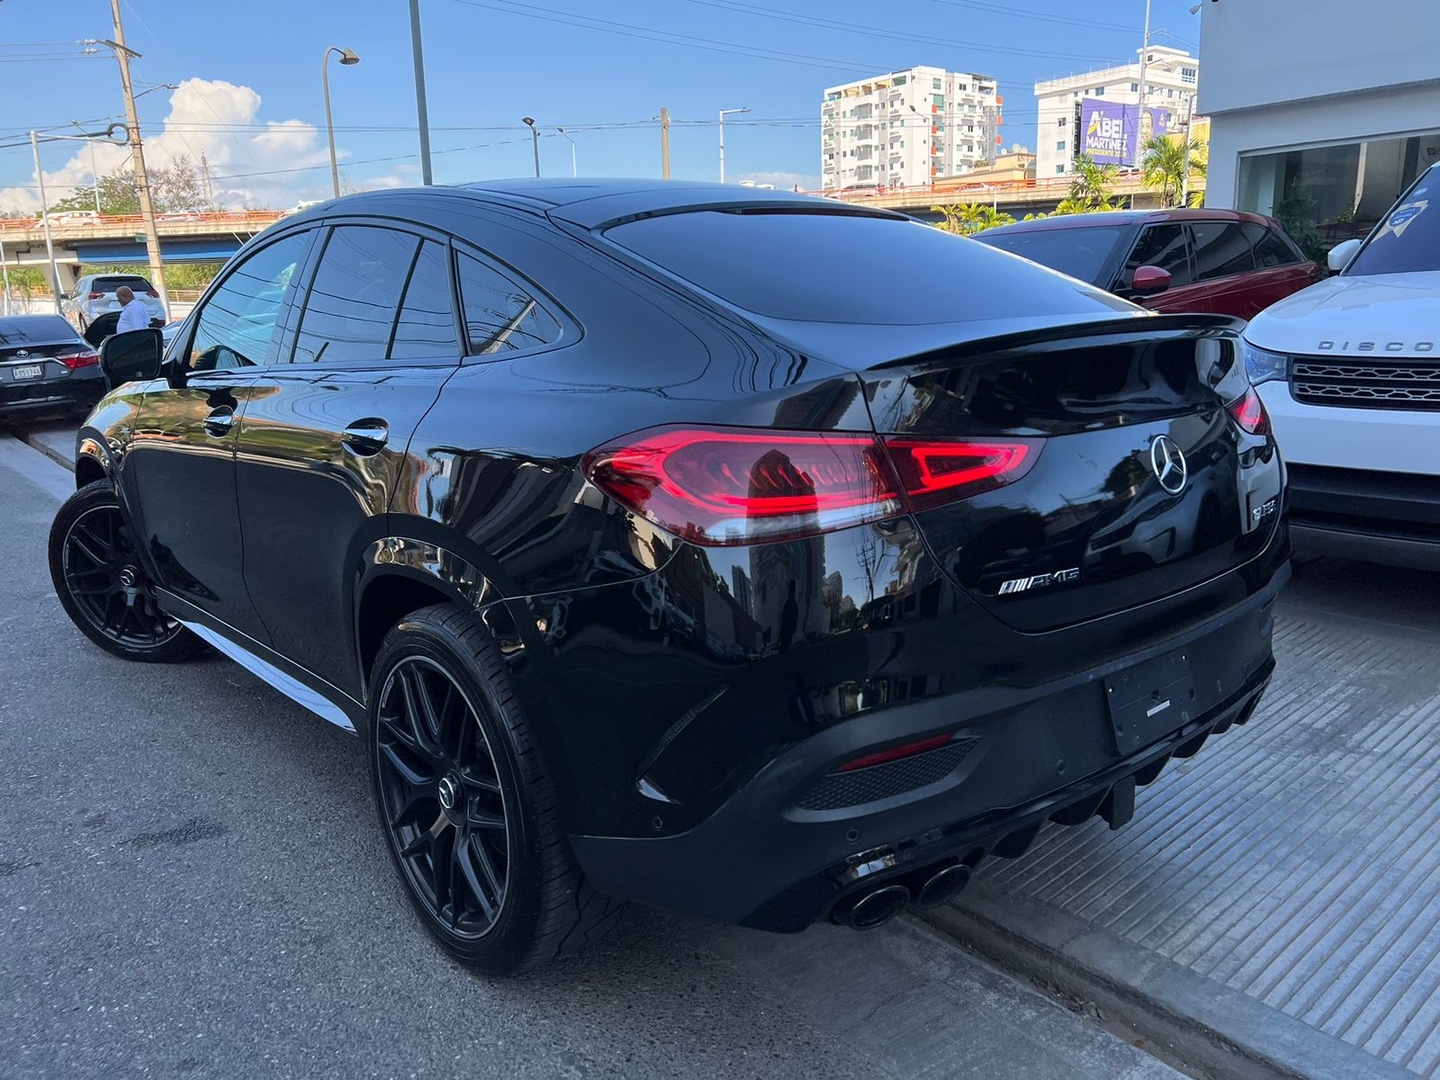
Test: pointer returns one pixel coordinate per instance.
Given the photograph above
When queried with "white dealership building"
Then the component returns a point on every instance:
(1321, 113)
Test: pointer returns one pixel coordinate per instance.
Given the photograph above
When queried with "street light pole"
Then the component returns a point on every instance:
(45, 221)
(724, 113)
(137, 149)
(574, 170)
(529, 121)
(418, 57)
(347, 58)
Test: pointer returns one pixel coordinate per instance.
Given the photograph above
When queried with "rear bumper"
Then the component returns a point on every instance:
(791, 842)
(80, 390)
(1385, 517)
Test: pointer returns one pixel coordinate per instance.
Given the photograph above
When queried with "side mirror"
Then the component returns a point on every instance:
(1149, 280)
(133, 356)
(1341, 254)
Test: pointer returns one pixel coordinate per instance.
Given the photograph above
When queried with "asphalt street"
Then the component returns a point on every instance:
(192, 883)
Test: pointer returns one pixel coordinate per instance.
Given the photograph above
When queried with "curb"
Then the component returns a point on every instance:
(1189, 1021)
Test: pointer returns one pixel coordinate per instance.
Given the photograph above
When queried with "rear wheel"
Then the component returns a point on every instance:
(102, 585)
(468, 810)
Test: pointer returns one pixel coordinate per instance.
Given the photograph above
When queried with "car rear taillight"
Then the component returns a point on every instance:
(939, 471)
(152, 292)
(721, 486)
(96, 296)
(79, 358)
(1249, 412)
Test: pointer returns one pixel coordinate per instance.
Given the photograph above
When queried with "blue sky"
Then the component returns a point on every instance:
(252, 99)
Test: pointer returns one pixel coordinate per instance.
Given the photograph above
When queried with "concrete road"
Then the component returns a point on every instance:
(192, 883)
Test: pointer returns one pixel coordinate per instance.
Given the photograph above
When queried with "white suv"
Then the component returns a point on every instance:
(1350, 372)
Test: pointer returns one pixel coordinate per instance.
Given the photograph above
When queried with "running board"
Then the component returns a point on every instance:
(272, 676)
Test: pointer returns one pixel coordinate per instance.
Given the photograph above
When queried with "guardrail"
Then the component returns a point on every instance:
(80, 224)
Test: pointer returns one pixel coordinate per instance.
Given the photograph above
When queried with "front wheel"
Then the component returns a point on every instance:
(466, 805)
(102, 585)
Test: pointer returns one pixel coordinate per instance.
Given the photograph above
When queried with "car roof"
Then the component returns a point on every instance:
(1129, 217)
(599, 202)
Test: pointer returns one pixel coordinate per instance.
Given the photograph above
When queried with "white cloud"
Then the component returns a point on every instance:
(253, 162)
(784, 181)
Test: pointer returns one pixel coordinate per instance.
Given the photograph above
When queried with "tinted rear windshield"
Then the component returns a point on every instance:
(110, 284)
(35, 328)
(1081, 253)
(1408, 240)
(846, 268)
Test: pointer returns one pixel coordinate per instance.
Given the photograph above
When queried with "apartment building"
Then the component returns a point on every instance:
(908, 128)
(1104, 108)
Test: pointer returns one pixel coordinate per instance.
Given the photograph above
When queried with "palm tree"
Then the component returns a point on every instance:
(1163, 166)
(1092, 184)
(966, 219)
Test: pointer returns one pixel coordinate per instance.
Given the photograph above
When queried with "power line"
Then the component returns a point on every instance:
(1034, 16)
(740, 8)
(609, 26)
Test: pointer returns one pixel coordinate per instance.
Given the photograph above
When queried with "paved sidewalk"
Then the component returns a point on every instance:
(1279, 891)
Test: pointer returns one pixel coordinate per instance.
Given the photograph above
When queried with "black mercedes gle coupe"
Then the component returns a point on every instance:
(752, 555)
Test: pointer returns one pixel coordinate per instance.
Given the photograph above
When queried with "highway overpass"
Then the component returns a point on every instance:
(112, 239)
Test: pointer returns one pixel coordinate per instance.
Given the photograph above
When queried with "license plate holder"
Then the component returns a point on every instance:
(1150, 700)
(29, 371)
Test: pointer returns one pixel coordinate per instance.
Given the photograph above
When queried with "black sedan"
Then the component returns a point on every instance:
(688, 544)
(45, 366)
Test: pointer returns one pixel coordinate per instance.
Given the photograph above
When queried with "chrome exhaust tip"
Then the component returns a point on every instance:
(871, 909)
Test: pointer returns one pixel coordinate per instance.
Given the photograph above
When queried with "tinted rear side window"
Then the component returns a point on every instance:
(426, 327)
(1165, 246)
(500, 316)
(1270, 248)
(1082, 253)
(351, 308)
(844, 268)
(1221, 250)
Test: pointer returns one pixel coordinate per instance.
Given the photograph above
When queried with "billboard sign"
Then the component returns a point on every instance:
(1111, 130)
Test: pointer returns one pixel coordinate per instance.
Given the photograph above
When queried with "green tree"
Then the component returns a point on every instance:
(173, 188)
(966, 219)
(1164, 164)
(1091, 188)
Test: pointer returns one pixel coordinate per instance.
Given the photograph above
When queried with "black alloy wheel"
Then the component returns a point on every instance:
(469, 813)
(103, 586)
(441, 797)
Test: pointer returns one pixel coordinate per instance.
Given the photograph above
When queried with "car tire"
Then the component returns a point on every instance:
(469, 812)
(104, 588)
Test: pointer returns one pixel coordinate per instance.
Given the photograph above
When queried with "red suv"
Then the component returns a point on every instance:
(1220, 261)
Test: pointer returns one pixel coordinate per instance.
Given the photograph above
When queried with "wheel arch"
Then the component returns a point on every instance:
(403, 575)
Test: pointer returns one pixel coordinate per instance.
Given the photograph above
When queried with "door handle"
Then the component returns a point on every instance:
(366, 436)
(220, 421)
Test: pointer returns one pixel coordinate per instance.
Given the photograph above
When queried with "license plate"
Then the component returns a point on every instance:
(1150, 700)
(31, 371)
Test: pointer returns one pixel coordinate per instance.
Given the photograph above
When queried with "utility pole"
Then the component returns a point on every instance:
(5, 270)
(137, 148)
(664, 143)
(1140, 112)
(418, 55)
(205, 180)
(45, 221)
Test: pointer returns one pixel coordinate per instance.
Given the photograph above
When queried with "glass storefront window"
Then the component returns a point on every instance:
(1326, 194)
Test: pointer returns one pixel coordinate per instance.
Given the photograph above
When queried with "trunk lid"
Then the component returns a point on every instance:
(1144, 485)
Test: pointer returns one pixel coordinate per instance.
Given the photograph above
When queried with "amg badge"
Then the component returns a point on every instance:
(1039, 581)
